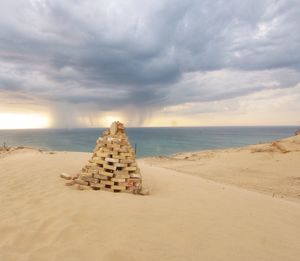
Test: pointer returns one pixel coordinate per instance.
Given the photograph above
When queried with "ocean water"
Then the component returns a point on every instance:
(148, 141)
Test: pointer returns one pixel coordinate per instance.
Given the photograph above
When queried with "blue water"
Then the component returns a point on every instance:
(149, 141)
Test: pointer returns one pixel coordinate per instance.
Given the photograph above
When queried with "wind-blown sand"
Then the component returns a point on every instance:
(271, 168)
(185, 217)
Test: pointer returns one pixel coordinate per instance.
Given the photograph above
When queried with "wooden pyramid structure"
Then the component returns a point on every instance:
(113, 164)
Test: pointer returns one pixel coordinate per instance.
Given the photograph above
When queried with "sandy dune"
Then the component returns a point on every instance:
(184, 218)
(272, 168)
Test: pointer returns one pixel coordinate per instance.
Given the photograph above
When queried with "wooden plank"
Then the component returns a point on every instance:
(81, 182)
(103, 154)
(130, 168)
(92, 171)
(120, 165)
(98, 176)
(83, 187)
(115, 187)
(107, 182)
(116, 156)
(127, 161)
(105, 173)
(124, 184)
(133, 182)
(124, 172)
(91, 164)
(110, 139)
(70, 183)
(65, 176)
(89, 175)
(122, 176)
(99, 162)
(93, 167)
(111, 167)
(111, 160)
(126, 154)
(133, 164)
(135, 175)
(109, 145)
(98, 185)
(89, 179)
(118, 180)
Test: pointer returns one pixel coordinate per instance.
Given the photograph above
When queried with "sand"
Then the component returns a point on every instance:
(272, 168)
(186, 217)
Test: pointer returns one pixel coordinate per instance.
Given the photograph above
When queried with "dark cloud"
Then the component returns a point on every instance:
(138, 54)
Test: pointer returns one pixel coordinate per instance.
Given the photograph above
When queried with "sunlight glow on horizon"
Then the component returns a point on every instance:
(109, 119)
(31, 120)
(24, 121)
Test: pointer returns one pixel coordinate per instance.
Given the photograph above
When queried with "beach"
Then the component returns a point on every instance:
(271, 168)
(232, 204)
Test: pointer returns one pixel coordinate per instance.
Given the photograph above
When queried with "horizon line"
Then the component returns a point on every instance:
(149, 127)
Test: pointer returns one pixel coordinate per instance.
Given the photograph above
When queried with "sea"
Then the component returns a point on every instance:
(148, 141)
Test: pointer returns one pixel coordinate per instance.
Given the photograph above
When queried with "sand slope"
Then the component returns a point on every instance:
(184, 218)
(272, 168)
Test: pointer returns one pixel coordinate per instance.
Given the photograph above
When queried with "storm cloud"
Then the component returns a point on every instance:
(144, 55)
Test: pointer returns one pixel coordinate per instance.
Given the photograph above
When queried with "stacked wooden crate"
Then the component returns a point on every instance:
(113, 164)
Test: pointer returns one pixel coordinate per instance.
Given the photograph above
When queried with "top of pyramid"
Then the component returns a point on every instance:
(116, 128)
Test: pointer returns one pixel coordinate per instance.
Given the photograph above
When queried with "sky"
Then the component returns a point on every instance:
(86, 63)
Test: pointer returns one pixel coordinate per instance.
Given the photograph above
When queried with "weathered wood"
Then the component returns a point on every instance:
(124, 172)
(118, 180)
(87, 175)
(120, 165)
(91, 164)
(99, 161)
(133, 164)
(97, 185)
(122, 176)
(75, 176)
(111, 160)
(98, 176)
(115, 187)
(133, 175)
(126, 154)
(117, 156)
(113, 166)
(127, 161)
(83, 187)
(65, 176)
(70, 183)
(103, 154)
(81, 182)
(105, 173)
(90, 179)
(130, 168)
(107, 182)
(114, 128)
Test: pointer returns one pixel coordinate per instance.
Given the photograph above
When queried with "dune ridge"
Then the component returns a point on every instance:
(272, 168)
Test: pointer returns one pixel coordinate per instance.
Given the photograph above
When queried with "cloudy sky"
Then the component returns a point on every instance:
(84, 63)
